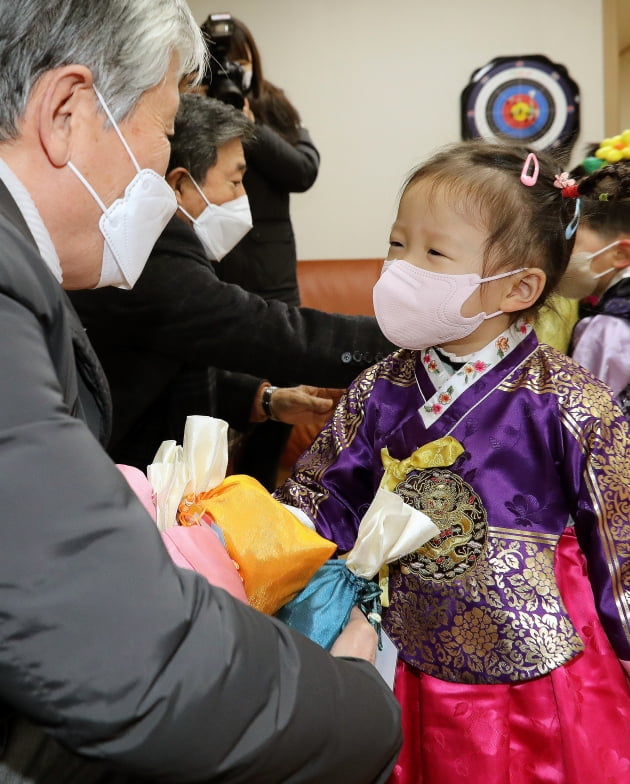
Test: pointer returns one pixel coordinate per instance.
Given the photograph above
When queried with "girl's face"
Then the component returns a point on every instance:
(434, 234)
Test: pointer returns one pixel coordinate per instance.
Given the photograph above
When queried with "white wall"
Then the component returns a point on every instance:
(378, 84)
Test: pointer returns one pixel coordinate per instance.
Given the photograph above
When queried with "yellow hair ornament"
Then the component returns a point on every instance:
(615, 148)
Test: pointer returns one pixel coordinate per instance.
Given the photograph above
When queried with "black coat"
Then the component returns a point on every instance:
(265, 260)
(104, 642)
(157, 341)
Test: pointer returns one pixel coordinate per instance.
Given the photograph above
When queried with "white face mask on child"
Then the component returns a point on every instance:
(579, 281)
(416, 308)
(221, 226)
(132, 224)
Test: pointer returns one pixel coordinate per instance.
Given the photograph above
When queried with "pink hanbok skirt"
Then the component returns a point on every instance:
(571, 726)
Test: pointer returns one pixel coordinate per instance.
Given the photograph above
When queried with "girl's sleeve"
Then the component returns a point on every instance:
(334, 481)
(598, 464)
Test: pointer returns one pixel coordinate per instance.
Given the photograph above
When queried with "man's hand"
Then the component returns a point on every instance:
(358, 639)
(301, 405)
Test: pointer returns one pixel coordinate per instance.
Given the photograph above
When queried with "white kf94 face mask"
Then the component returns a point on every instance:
(578, 280)
(417, 309)
(132, 224)
(220, 226)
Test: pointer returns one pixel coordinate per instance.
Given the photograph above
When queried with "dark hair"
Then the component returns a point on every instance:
(605, 198)
(526, 224)
(202, 125)
(268, 102)
(579, 170)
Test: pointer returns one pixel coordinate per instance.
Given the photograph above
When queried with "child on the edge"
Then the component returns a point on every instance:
(599, 272)
(511, 661)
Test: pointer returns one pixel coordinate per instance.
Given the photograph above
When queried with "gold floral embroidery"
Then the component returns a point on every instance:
(304, 489)
(592, 417)
(503, 621)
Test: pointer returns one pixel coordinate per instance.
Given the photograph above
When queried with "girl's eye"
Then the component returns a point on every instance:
(433, 252)
(395, 244)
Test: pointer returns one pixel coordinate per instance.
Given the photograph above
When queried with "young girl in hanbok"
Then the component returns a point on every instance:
(513, 624)
(600, 272)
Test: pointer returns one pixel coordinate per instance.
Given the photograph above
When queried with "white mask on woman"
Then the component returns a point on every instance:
(132, 224)
(579, 281)
(221, 226)
(246, 81)
(416, 308)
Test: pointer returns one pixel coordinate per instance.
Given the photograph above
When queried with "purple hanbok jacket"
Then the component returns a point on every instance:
(545, 448)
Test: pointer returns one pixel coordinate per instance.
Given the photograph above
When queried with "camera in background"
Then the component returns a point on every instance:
(224, 79)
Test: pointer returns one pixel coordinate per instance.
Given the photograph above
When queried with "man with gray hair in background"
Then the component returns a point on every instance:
(115, 665)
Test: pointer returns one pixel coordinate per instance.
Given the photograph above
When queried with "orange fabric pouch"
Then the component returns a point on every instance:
(276, 553)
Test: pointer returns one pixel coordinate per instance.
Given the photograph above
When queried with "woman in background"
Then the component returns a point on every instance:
(281, 159)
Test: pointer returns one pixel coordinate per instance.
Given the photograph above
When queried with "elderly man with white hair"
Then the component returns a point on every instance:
(115, 665)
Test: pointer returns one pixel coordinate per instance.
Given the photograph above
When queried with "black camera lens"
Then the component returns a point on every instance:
(225, 90)
(223, 78)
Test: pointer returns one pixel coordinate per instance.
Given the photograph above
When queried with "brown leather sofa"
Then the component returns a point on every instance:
(339, 285)
(336, 286)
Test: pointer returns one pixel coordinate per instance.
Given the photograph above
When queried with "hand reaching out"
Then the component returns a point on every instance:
(304, 405)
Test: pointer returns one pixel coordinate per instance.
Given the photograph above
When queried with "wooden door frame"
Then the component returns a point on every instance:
(610, 28)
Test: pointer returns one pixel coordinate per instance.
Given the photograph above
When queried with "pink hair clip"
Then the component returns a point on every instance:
(530, 179)
(563, 180)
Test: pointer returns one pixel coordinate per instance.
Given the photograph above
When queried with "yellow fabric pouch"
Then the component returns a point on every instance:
(276, 553)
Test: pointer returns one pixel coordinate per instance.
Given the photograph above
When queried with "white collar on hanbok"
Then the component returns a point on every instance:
(621, 275)
(449, 384)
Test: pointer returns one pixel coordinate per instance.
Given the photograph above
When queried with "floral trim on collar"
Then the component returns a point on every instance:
(450, 384)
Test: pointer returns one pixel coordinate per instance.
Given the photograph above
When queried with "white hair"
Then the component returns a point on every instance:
(126, 44)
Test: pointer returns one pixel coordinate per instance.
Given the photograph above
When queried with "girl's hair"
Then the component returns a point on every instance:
(526, 225)
(605, 196)
(268, 102)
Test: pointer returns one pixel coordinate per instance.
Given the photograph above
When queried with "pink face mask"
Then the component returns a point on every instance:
(417, 309)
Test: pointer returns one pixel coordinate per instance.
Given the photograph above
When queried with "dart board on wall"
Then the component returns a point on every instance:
(527, 99)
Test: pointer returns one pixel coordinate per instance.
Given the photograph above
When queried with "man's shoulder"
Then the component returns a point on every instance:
(179, 240)
(177, 256)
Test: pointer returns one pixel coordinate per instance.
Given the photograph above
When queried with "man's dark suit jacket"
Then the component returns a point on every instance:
(157, 341)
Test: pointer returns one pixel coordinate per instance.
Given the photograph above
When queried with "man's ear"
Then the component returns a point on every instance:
(622, 255)
(524, 291)
(179, 180)
(63, 97)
